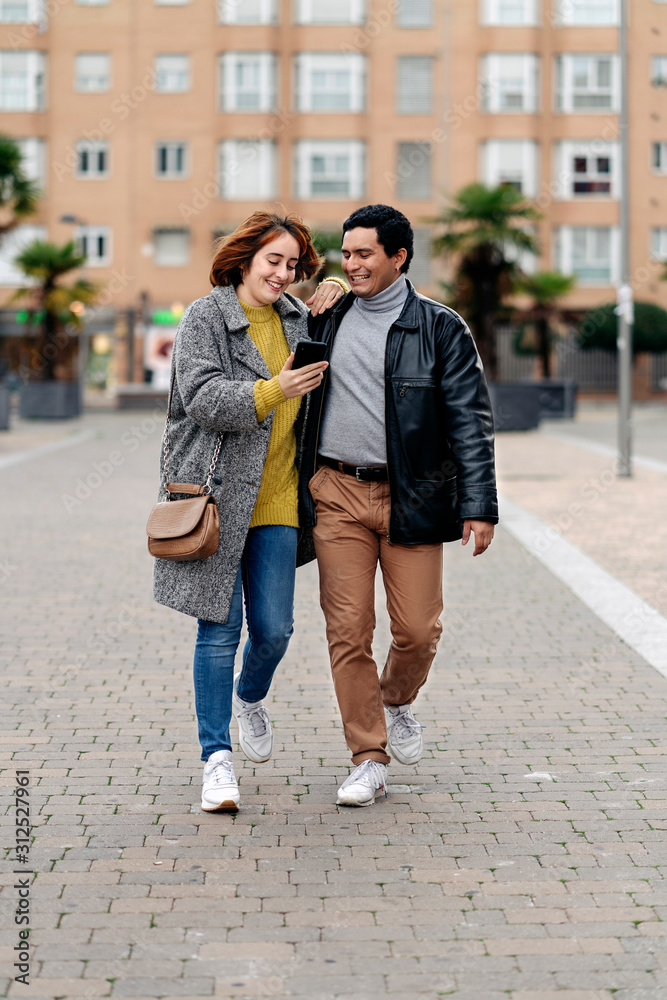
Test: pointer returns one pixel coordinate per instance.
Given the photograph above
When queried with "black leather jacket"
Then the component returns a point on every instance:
(438, 422)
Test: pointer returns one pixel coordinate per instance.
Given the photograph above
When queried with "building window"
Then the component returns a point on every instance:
(95, 245)
(92, 159)
(33, 159)
(12, 244)
(92, 72)
(22, 81)
(20, 12)
(420, 265)
(414, 14)
(248, 81)
(510, 12)
(330, 11)
(587, 82)
(92, 3)
(659, 243)
(659, 71)
(171, 3)
(171, 247)
(588, 12)
(247, 12)
(171, 160)
(414, 85)
(413, 170)
(172, 73)
(247, 169)
(509, 82)
(588, 252)
(659, 157)
(330, 169)
(587, 169)
(328, 81)
(510, 163)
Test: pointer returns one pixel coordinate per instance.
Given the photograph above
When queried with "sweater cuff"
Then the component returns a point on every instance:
(267, 396)
(339, 281)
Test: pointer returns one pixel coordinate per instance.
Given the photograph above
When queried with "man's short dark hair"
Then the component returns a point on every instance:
(393, 229)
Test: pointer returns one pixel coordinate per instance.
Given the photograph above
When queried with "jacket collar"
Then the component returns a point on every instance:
(407, 320)
(236, 320)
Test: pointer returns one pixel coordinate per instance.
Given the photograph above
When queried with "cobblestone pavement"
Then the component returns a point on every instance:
(524, 857)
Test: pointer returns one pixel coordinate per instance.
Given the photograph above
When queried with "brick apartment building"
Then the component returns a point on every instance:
(153, 125)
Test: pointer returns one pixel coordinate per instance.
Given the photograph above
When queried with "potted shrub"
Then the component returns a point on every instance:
(51, 387)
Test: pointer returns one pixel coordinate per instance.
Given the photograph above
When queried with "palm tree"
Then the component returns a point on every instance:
(545, 288)
(18, 195)
(485, 229)
(59, 305)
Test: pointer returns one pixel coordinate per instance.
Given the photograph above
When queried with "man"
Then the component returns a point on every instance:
(399, 445)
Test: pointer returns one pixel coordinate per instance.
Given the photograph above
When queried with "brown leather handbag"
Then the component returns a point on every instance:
(189, 529)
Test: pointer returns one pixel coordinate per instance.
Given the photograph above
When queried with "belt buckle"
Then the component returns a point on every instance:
(357, 470)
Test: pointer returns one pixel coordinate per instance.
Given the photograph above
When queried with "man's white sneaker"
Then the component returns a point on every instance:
(363, 784)
(404, 734)
(255, 734)
(220, 791)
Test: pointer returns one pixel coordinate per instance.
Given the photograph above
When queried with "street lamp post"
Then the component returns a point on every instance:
(624, 308)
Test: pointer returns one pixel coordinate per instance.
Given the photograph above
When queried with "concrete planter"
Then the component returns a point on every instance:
(516, 405)
(558, 398)
(50, 400)
(5, 399)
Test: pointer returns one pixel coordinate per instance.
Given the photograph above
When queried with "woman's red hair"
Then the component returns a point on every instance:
(235, 252)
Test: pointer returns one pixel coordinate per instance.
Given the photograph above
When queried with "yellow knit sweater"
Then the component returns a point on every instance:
(277, 501)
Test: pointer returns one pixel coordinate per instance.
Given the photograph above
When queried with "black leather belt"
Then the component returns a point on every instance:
(364, 473)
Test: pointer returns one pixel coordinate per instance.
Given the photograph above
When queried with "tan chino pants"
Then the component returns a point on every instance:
(350, 538)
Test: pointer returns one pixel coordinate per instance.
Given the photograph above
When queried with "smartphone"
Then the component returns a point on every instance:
(309, 352)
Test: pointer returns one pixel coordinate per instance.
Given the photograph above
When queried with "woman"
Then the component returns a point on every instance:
(234, 382)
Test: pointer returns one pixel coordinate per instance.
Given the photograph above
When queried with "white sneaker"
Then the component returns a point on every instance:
(220, 791)
(363, 784)
(255, 734)
(404, 734)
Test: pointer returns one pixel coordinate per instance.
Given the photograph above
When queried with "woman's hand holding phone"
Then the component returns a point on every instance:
(299, 381)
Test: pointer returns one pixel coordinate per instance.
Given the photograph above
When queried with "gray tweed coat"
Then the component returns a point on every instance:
(216, 367)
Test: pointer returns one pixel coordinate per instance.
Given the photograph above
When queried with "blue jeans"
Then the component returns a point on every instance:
(266, 578)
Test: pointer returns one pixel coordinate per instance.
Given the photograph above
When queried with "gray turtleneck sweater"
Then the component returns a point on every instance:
(353, 428)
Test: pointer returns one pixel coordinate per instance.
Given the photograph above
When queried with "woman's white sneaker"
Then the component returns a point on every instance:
(220, 790)
(404, 734)
(255, 734)
(363, 784)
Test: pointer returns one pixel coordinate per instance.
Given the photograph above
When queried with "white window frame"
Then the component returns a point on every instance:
(659, 242)
(307, 149)
(170, 230)
(236, 12)
(234, 159)
(172, 173)
(307, 64)
(566, 178)
(349, 11)
(659, 155)
(490, 170)
(85, 234)
(565, 90)
(266, 63)
(166, 76)
(586, 13)
(493, 90)
(33, 159)
(93, 147)
(34, 9)
(659, 71)
(491, 13)
(100, 80)
(565, 237)
(415, 14)
(31, 96)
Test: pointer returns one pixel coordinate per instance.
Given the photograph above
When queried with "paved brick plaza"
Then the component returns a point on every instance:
(523, 858)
